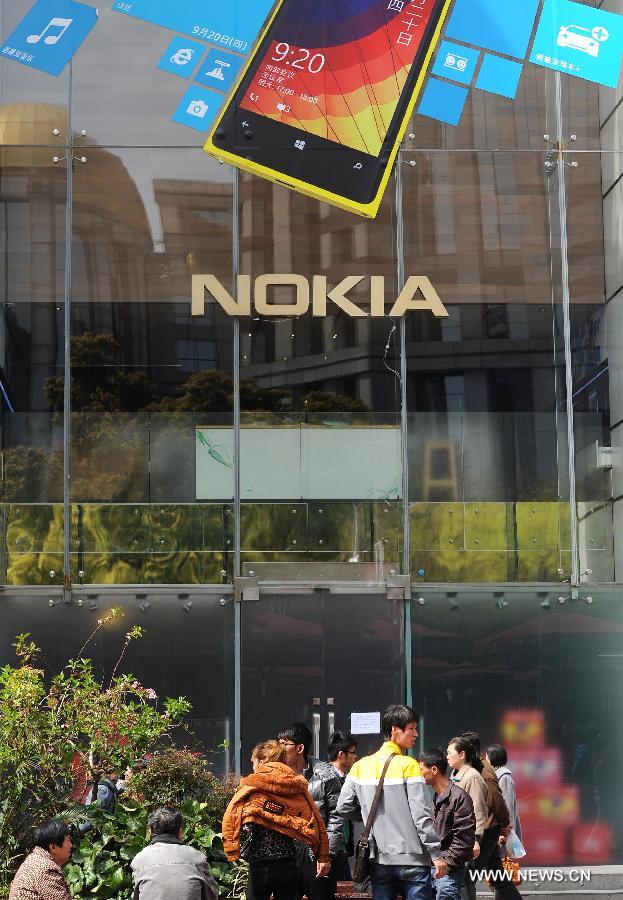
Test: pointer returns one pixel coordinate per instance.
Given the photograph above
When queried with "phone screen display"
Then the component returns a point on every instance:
(336, 68)
(323, 100)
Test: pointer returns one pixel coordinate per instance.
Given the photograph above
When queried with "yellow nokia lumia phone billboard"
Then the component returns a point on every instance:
(324, 101)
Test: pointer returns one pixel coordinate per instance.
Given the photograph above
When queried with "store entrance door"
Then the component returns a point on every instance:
(318, 656)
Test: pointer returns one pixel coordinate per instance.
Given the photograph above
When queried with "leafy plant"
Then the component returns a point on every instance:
(100, 863)
(174, 776)
(57, 738)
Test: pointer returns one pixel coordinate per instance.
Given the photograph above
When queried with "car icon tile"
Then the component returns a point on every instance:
(578, 38)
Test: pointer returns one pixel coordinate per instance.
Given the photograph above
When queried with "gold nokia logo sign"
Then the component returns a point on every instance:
(418, 293)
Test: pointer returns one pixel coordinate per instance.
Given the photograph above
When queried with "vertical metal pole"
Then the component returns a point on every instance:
(69, 158)
(404, 426)
(564, 260)
(236, 379)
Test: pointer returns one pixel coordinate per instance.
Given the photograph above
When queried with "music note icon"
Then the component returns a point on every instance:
(63, 24)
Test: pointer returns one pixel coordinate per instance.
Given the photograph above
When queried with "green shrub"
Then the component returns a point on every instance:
(52, 728)
(174, 776)
(100, 862)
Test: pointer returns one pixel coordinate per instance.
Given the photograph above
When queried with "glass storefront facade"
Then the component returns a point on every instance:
(314, 516)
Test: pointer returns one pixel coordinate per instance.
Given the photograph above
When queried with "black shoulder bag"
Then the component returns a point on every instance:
(361, 868)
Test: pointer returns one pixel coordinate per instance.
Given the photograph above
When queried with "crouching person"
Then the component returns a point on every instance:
(40, 877)
(168, 868)
(454, 823)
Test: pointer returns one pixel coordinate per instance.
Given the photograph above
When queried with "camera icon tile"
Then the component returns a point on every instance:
(197, 109)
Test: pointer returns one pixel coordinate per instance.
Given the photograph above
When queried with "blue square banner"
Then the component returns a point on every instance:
(219, 70)
(181, 57)
(580, 40)
(456, 62)
(443, 101)
(499, 76)
(494, 25)
(49, 35)
(197, 109)
(231, 24)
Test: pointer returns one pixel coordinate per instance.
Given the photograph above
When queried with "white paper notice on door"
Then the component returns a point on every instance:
(365, 723)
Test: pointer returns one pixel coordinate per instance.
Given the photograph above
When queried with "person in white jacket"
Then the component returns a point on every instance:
(498, 757)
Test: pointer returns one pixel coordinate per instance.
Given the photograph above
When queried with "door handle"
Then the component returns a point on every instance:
(316, 734)
(331, 722)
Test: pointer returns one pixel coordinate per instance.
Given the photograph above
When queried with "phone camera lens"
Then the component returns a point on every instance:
(248, 135)
(221, 135)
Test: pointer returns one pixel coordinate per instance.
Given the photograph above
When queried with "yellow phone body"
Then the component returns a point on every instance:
(361, 209)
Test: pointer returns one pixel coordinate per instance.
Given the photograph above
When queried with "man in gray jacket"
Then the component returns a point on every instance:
(168, 869)
(404, 844)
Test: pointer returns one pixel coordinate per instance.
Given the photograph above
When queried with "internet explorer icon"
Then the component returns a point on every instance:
(180, 57)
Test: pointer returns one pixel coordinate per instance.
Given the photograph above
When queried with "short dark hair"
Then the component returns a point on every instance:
(165, 820)
(497, 755)
(434, 757)
(52, 831)
(298, 733)
(340, 742)
(474, 738)
(399, 716)
(462, 745)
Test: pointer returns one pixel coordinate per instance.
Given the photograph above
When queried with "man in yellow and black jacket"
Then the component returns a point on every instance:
(403, 840)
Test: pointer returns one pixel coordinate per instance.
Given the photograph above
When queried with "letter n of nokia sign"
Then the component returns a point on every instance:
(418, 293)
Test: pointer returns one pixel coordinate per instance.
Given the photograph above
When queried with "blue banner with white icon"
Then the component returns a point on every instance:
(233, 24)
(579, 40)
(49, 35)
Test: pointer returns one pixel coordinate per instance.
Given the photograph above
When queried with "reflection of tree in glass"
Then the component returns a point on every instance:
(111, 431)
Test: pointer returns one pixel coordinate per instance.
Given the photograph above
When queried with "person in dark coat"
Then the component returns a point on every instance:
(324, 785)
(454, 822)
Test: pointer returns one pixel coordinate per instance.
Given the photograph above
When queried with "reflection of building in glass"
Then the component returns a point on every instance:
(478, 514)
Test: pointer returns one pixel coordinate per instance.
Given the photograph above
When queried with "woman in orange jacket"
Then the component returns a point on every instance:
(272, 809)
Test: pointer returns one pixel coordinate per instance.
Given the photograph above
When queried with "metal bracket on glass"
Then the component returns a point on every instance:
(398, 587)
(556, 154)
(575, 595)
(246, 588)
(74, 159)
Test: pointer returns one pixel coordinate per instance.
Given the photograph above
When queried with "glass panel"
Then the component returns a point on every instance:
(301, 648)
(596, 276)
(121, 97)
(524, 669)
(320, 396)
(487, 428)
(187, 649)
(488, 121)
(32, 235)
(590, 110)
(152, 388)
(152, 544)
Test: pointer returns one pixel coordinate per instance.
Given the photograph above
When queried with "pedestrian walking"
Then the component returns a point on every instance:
(498, 758)
(270, 813)
(342, 753)
(496, 829)
(403, 843)
(454, 822)
(324, 785)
